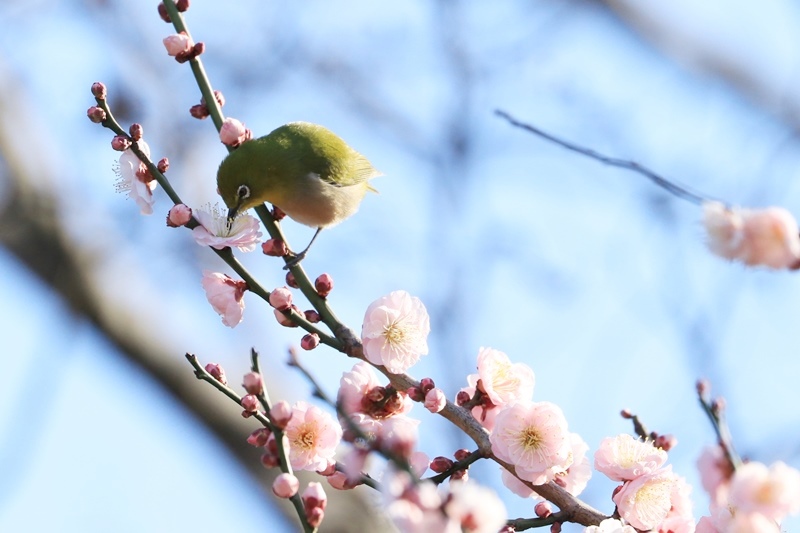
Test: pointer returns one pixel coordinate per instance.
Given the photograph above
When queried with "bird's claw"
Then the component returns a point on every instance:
(294, 260)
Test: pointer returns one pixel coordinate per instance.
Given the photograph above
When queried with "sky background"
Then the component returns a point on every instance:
(592, 276)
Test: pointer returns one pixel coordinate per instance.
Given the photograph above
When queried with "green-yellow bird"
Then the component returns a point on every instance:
(304, 169)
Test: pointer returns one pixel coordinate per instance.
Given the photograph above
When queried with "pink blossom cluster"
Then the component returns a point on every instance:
(754, 497)
(651, 497)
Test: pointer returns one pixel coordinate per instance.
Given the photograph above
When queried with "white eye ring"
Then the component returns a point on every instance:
(243, 192)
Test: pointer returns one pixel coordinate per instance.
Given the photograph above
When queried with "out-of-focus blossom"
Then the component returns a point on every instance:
(623, 458)
(610, 525)
(715, 472)
(679, 518)
(419, 463)
(313, 436)
(395, 331)
(475, 508)
(225, 295)
(645, 502)
(217, 231)
(767, 237)
(133, 178)
(533, 437)
(773, 492)
(398, 434)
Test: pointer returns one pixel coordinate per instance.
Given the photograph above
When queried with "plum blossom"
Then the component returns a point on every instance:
(715, 472)
(773, 492)
(533, 437)
(503, 381)
(133, 178)
(217, 231)
(679, 518)
(225, 295)
(313, 436)
(609, 525)
(475, 509)
(767, 237)
(414, 507)
(623, 458)
(645, 502)
(361, 392)
(178, 43)
(395, 331)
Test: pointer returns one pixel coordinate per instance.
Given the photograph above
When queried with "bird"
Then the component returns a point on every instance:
(304, 169)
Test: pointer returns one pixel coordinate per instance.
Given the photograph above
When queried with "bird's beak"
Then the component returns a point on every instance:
(231, 215)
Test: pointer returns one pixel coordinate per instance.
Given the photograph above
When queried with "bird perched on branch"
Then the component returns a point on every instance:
(304, 169)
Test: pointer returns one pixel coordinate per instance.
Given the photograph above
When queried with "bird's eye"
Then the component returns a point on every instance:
(243, 191)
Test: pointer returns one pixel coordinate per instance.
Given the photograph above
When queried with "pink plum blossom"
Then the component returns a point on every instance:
(645, 501)
(285, 485)
(515, 485)
(357, 390)
(217, 231)
(177, 43)
(503, 381)
(767, 237)
(395, 331)
(577, 475)
(623, 458)
(476, 509)
(419, 463)
(715, 472)
(773, 492)
(679, 518)
(225, 295)
(533, 437)
(609, 525)
(313, 436)
(398, 434)
(133, 178)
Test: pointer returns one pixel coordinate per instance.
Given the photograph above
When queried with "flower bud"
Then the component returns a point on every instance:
(338, 480)
(220, 98)
(666, 442)
(232, 133)
(274, 247)
(250, 403)
(328, 470)
(555, 527)
(269, 460)
(626, 414)
(162, 12)
(462, 397)
(461, 454)
(136, 131)
(703, 388)
(324, 284)
(281, 298)
(426, 384)
(291, 281)
(314, 517)
(416, 394)
(120, 143)
(280, 414)
(163, 164)
(309, 341)
(217, 372)
(440, 464)
(99, 90)
(312, 316)
(96, 114)
(252, 383)
(543, 509)
(284, 320)
(285, 485)
(199, 111)
(182, 5)
(179, 215)
(460, 475)
(314, 496)
(435, 400)
(177, 44)
(259, 437)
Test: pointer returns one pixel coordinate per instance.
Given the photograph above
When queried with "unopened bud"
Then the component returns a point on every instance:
(543, 509)
(435, 400)
(462, 397)
(440, 464)
(199, 111)
(162, 12)
(291, 281)
(461, 454)
(281, 413)
(259, 437)
(136, 131)
(182, 5)
(555, 527)
(252, 383)
(99, 90)
(269, 460)
(217, 372)
(284, 320)
(281, 298)
(666, 442)
(416, 394)
(703, 388)
(178, 44)
(460, 475)
(314, 496)
(426, 384)
(274, 247)
(96, 114)
(338, 480)
(329, 470)
(232, 133)
(626, 414)
(179, 215)
(718, 405)
(163, 164)
(324, 284)
(312, 316)
(120, 143)
(309, 341)
(220, 98)
(285, 485)
(314, 517)
(250, 403)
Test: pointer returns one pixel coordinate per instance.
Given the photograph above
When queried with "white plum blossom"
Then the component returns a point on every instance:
(217, 231)
(645, 501)
(623, 458)
(395, 331)
(609, 525)
(133, 178)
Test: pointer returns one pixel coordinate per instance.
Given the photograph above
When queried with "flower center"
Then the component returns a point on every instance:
(395, 333)
(530, 439)
(305, 438)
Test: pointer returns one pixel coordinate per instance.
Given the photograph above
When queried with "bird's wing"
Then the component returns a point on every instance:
(358, 170)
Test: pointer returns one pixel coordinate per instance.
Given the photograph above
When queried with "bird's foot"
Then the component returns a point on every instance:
(294, 260)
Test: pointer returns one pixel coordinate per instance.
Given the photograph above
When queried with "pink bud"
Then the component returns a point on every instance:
(120, 143)
(626, 414)
(178, 43)
(252, 383)
(718, 405)
(284, 320)
(179, 215)
(217, 372)
(259, 437)
(199, 111)
(666, 442)
(328, 471)
(281, 298)
(137, 131)
(314, 496)
(461, 454)
(269, 460)
(314, 517)
(440, 464)
(324, 284)
(96, 114)
(162, 12)
(426, 384)
(435, 400)
(99, 90)
(220, 98)
(338, 480)
(163, 164)
(250, 403)
(460, 475)
(182, 5)
(285, 485)
(291, 281)
(232, 132)
(309, 341)
(281, 413)
(462, 397)
(555, 527)
(543, 509)
(312, 316)
(277, 214)
(274, 247)
(703, 387)
(416, 394)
